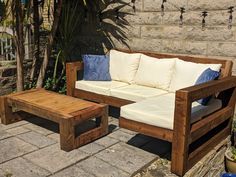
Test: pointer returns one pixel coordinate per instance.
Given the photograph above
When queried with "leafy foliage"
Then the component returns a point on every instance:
(233, 153)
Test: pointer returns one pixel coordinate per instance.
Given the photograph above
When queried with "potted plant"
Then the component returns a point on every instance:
(230, 154)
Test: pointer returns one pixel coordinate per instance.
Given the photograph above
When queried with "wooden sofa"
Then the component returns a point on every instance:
(190, 142)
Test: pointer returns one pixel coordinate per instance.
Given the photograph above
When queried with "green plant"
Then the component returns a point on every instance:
(233, 151)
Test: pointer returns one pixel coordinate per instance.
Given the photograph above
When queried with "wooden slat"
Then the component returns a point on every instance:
(208, 123)
(37, 110)
(196, 155)
(71, 75)
(146, 129)
(113, 101)
(210, 88)
(181, 133)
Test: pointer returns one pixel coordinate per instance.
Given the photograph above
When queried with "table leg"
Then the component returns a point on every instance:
(104, 119)
(67, 135)
(6, 114)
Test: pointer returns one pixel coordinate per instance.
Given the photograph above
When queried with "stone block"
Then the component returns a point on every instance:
(121, 136)
(219, 18)
(146, 44)
(38, 129)
(21, 168)
(222, 49)
(195, 33)
(125, 6)
(17, 131)
(98, 167)
(73, 171)
(155, 5)
(4, 134)
(184, 47)
(162, 32)
(126, 157)
(14, 147)
(54, 159)
(210, 5)
(92, 148)
(36, 139)
(106, 141)
(144, 18)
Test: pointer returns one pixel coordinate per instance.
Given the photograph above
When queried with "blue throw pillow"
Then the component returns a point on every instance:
(96, 68)
(207, 75)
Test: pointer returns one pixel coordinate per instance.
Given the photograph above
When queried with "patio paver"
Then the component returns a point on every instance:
(17, 130)
(36, 139)
(54, 159)
(35, 144)
(21, 168)
(73, 171)
(14, 147)
(126, 157)
(100, 168)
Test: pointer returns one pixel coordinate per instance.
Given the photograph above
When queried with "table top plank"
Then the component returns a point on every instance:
(55, 104)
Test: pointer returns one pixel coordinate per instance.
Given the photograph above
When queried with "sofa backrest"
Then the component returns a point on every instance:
(226, 69)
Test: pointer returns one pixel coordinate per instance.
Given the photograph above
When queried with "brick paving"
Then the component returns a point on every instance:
(30, 148)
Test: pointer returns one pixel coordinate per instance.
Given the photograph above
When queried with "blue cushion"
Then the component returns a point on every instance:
(96, 68)
(207, 75)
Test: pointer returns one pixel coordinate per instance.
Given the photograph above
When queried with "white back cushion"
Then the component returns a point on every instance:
(123, 66)
(186, 73)
(153, 72)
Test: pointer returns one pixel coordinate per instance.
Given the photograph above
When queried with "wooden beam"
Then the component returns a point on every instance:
(208, 123)
(146, 129)
(181, 134)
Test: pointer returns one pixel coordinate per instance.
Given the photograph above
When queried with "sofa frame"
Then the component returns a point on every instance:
(190, 142)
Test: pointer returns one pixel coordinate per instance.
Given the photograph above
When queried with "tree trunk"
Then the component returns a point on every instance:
(49, 44)
(19, 41)
(36, 39)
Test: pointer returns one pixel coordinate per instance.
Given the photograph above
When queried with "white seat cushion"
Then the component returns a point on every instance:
(99, 87)
(186, 73)
(159, 111)
(123, 66)
(136, 92)
(153, 72)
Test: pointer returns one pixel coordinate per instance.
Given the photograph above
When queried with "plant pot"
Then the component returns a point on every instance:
(230, 163)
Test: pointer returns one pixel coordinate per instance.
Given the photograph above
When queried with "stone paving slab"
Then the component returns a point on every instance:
(4, 134)
(92, 148)
(36, 139)
(100, 168)
(55, 137)
(17, 130)
(16, 124)
(121, 136)
(54, 159)
(21, 168)
(126, 157)
(106, 141)
(73, 171)
(14, 147)
(38, 129)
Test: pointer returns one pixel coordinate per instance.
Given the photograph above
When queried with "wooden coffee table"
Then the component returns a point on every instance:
(67, 111)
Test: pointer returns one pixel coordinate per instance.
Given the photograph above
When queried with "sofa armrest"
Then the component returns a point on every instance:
(209, 88)
(182, 134)
(71, 75)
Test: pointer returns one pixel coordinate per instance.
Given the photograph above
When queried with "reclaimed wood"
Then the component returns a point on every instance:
(150, 130)
(210, 122)
(67, 111)
(112, 101)
(184, 134)
(179, 154)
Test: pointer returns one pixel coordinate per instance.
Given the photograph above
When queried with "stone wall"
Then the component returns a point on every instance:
(149, 30)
